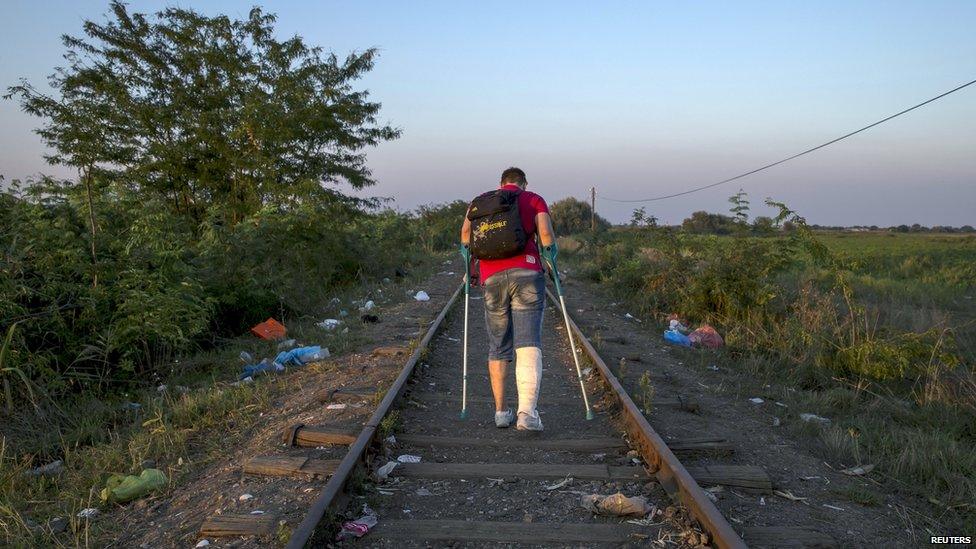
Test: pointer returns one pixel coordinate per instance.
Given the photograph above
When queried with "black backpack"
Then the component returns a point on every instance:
(496, 226)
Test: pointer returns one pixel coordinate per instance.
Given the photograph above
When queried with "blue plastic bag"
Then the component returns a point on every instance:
(676, 337)
(263, 367)
(299, 356)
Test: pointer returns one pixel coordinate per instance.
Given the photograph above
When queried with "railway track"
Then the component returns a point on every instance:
(476, 485)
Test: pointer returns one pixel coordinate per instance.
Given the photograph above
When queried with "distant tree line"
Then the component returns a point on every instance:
(702, 222)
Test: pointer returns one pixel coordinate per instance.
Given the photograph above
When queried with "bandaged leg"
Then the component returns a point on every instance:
(528, 378)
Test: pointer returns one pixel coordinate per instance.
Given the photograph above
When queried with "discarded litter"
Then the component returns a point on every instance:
(369, 319)
(390, 439)
(245, 497)
(407, 458)
(776, 421)
(161, 389)
(269, 329)
(788, 495)
(253, 370)
(368, 306)
(329, 324)
(713, 368)
(422, 296)
(120, 489)
(358, 528)
(301, 356)
(707, 337)
(49, 470)
(246, 357)
(674, 323)
(756, 400)
(859, 470)
(559, 484)
(383, 472)
(617, 504)
(286, 344)
(814, 418)
(89, 513)
(339, 406)
(203, 543)
(676, 337)
(833, 507)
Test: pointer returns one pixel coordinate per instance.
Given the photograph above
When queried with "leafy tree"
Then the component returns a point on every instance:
(211, 158)
(439, 225)
(763, 225)
(708, 223)
(740, 207)
(214, 116)
(640, 218)
(572, 216)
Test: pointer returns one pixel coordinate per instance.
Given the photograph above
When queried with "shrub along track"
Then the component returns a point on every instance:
(478, 485)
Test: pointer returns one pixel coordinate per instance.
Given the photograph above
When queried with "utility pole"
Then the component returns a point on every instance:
(592, 209)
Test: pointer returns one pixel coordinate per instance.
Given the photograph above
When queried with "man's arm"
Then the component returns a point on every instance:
(543, 223)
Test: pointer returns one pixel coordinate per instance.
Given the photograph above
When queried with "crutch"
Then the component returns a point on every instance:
(466, 254)
(549, 253)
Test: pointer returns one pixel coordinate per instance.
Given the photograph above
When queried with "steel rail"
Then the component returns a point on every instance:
(668, 470)
(334, 487)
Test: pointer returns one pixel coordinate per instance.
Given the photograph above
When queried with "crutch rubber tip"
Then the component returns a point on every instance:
(589, 415)
(464, 414)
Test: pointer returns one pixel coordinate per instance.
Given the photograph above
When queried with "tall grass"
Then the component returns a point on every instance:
(873, 331)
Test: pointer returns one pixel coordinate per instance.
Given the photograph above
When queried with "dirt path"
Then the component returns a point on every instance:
(755, 436)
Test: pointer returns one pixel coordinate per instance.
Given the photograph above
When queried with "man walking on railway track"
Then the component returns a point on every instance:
(500, 230)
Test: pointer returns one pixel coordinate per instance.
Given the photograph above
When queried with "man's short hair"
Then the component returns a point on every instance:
(514, 175)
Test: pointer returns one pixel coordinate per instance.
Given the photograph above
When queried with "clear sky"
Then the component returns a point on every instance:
(636, 98)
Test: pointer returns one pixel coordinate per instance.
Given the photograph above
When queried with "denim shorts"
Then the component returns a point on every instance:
(514, 302)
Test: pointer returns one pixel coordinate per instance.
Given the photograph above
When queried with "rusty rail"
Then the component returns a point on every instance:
(672, 475)
(303, 533)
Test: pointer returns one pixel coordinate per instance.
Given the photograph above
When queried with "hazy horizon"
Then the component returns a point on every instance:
(636, 100)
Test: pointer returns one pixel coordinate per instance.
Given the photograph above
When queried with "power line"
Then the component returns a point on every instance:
(797, 155)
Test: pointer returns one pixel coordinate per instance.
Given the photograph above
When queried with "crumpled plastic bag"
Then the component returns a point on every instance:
(120, 489)
(617, 504)
(263, 367)
(706, 336)
(676, 337)
(301, 355)
(358, 528)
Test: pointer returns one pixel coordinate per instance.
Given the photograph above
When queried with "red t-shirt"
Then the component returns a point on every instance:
(530, 204)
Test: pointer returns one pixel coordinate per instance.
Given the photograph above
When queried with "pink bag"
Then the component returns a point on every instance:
(706, 336)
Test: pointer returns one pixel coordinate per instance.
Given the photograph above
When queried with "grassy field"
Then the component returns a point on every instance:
(873, 330)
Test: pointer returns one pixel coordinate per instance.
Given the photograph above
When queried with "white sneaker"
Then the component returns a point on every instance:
(503, 419)
(529, 422)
